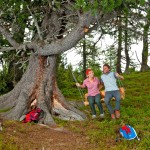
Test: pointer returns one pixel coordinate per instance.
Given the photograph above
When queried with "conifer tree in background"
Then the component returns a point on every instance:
(126, 43)
(146, 41)
(90, 53)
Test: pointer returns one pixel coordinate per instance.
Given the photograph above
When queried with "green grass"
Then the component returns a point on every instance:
(7, 144)
(135, 111)
(102, 133)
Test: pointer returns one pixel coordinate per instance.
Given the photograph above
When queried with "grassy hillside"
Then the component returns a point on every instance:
(99, 134)
(135, 111)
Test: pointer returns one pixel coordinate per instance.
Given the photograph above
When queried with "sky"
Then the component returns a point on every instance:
(74, 59)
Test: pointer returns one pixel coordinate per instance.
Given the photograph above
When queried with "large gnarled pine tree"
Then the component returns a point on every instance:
(45, 29)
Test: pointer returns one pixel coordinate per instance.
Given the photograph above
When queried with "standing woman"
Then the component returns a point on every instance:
(92, 84)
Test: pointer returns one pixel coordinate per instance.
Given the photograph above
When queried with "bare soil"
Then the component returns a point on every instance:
(40, 137)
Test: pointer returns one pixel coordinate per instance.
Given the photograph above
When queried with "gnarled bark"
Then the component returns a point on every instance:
(39, 83)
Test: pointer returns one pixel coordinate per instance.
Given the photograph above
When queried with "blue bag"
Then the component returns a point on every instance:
(128, 133)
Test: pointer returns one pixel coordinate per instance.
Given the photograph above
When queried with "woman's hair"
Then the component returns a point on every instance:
(106, 66)
(87, 71)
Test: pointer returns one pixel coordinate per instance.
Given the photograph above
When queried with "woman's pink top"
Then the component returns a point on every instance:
(93, 87)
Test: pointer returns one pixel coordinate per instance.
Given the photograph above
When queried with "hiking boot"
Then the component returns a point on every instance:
(102, 115)
(113, 116)
(117, 113)
(93, 116)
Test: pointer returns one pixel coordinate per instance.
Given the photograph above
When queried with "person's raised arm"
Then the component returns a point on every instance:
(119, 76)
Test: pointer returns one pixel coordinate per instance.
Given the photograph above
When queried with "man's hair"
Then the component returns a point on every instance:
(106, 65)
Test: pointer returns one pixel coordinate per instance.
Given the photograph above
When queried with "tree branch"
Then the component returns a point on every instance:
(36, 24)
(30, 46)
(5, 49)
(64, 44)
(74, 36)
(8, 36)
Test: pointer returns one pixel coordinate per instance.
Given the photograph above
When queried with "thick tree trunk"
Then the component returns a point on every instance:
(39, 83)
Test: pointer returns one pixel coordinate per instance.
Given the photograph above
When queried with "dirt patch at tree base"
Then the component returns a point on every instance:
(39, 137)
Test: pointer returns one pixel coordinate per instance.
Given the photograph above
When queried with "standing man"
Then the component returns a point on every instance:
(108, 79)
(92, 84)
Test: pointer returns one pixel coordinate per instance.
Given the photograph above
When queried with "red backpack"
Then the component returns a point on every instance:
(33, 115)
